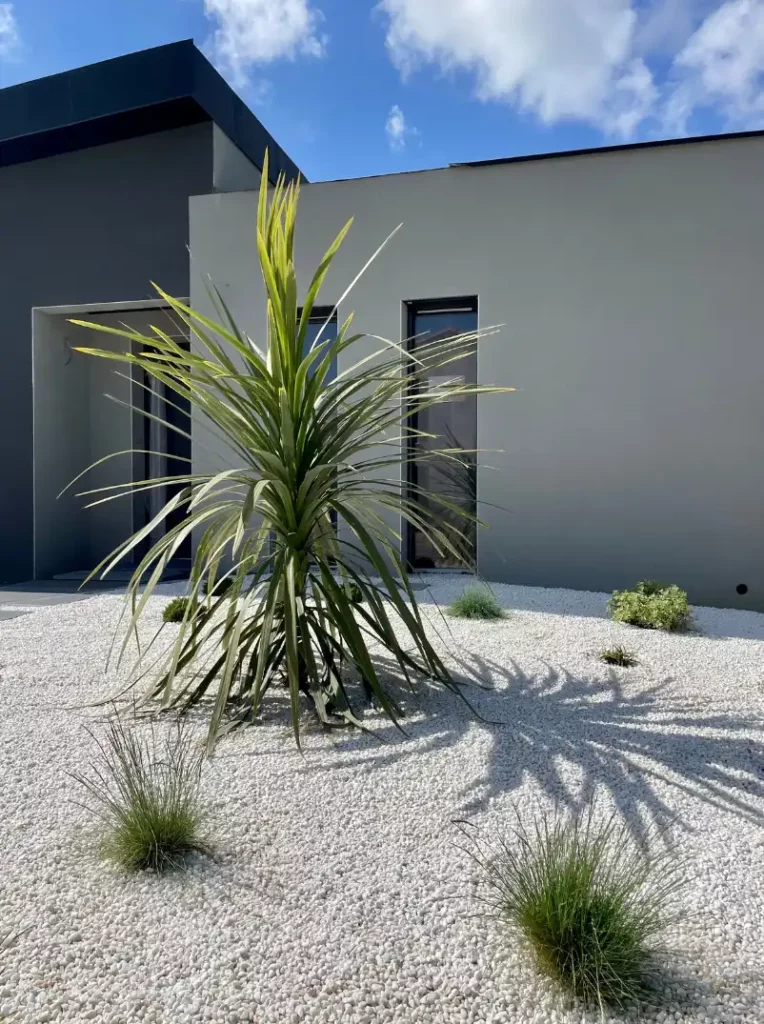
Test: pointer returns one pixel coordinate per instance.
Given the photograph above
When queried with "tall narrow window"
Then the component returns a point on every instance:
(323, 319)
(318, 322)
(161, 432)
(167, 454)
(450, 424)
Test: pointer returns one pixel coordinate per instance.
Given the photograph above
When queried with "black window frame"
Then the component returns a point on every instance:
(413, 308)
(322, 315)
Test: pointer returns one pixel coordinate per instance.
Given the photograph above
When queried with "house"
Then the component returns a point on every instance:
(626, 283)
(629, 286)
(96, 169)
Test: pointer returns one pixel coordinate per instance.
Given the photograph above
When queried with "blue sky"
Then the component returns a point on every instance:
(350, 87)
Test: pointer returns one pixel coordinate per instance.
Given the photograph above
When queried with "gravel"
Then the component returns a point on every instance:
(337, 890)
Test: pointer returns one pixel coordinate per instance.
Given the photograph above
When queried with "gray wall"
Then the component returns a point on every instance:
(87, 227)
(62, 451)
(630, 289)
(75, 425)
(82, 415)
(232, 171)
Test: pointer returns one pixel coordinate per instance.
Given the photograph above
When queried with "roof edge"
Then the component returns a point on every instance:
(140, 93)
(232, 115)
(618, 148)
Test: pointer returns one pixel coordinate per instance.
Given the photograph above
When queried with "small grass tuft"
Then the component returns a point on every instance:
(476, 602)
(652, 605)
(175, 610)
(146, 792)
(354, 593)
(590, 903)
(618, 655)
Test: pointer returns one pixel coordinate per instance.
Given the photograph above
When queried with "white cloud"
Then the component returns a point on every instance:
(665, 25)
(9, 30)
(595, 61)
(631, 101)
(554, 58)
(253, 32)
(398, 131)
(721, 67)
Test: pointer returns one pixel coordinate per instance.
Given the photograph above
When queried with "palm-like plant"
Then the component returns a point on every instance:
(306, 446)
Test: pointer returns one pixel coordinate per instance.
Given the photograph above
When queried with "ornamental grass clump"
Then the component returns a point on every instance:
(476, 603)
(306, 516)
(144, 789)
(619, 656)
(175, 610)
(652, 605)
(591, 904)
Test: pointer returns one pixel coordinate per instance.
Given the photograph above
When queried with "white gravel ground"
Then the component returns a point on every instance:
(337, 891)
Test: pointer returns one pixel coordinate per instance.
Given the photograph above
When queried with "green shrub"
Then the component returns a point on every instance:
(591, 905)
(476, 603)
(353, 591)
(651, 605)
(146, 793)
(221, 587)
(175, 610)
(618, 655)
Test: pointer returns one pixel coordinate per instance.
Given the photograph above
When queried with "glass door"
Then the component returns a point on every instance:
(452, 424)
(165, 455)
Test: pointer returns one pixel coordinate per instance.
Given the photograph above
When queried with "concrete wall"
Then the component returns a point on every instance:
(75, 425)
(81, 416)
(232, 171)
(95, 226)
(62, 429)
(111, 429)
(630, 287)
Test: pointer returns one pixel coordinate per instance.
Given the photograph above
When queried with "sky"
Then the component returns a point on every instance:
(350, 87)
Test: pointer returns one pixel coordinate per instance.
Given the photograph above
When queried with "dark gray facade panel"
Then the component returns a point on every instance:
(137, 94)
(97, 225)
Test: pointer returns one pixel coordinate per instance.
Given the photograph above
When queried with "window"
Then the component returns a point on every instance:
(167, 454)
(318, 320)
(453, 424)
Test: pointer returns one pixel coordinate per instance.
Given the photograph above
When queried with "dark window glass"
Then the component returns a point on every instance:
(329, 333)
(170, 455)
(453, 424)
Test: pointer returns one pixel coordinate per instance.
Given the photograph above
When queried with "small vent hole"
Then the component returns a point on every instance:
(742, 588)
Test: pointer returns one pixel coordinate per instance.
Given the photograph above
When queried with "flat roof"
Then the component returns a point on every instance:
(623, 147)
(559, 154)
(140, 93)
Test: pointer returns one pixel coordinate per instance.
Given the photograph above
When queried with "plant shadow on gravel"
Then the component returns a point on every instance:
(627, 746)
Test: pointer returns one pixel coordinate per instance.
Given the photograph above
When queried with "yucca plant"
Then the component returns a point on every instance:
(306, 446)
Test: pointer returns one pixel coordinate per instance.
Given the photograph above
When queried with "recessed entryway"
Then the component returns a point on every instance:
(84, 411)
